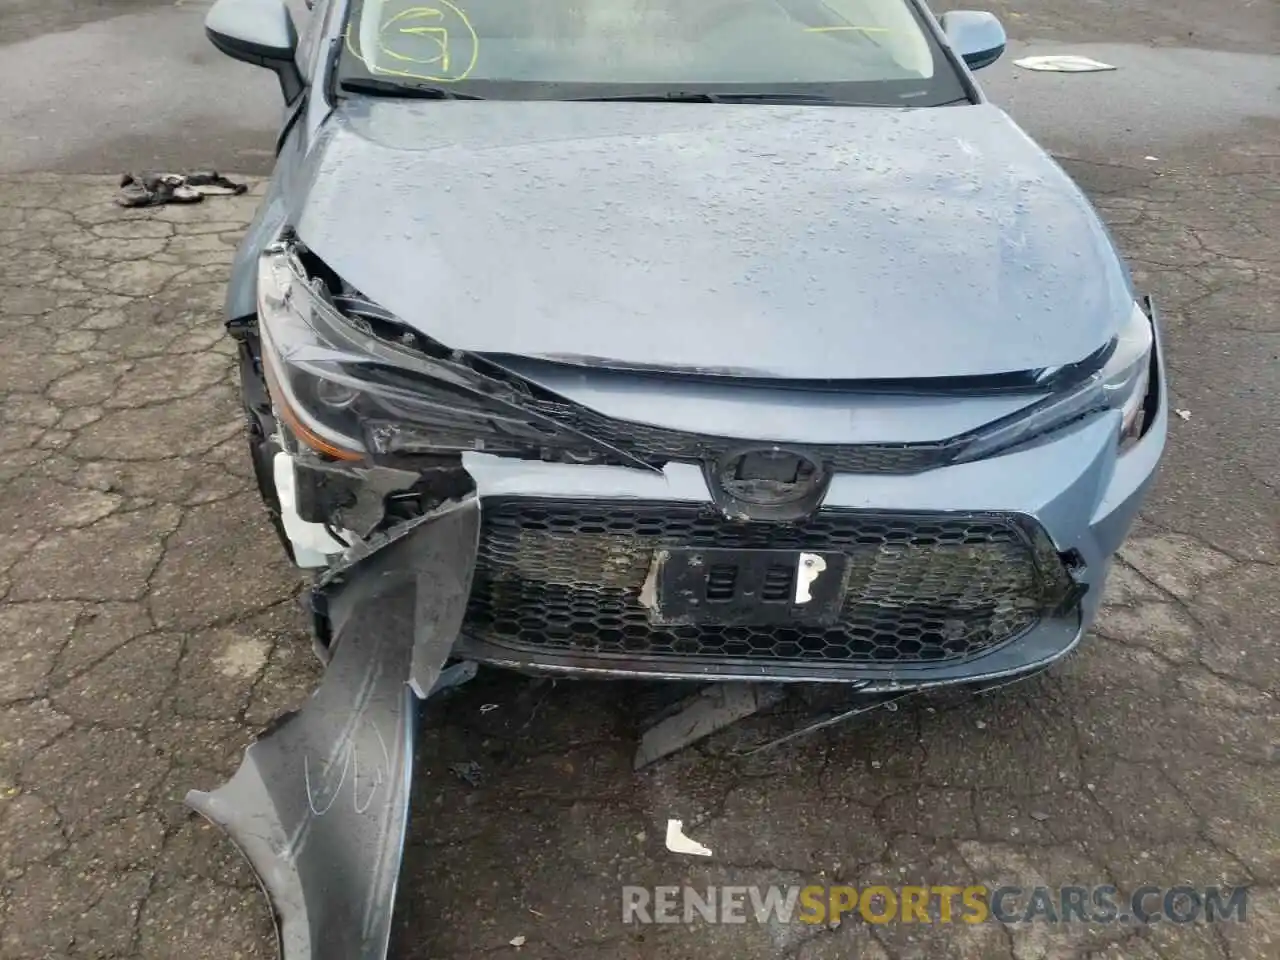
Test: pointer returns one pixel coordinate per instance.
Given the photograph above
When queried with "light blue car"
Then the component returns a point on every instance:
(673, 339)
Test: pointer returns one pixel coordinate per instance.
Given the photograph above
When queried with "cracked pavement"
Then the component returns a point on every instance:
(135, 664)
(152, 627)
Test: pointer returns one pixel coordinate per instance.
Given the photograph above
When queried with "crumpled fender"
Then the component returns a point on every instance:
(319, 805)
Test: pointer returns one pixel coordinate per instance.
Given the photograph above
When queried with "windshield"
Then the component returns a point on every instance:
(867, 51)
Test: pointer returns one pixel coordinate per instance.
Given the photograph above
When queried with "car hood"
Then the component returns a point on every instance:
(774, 241)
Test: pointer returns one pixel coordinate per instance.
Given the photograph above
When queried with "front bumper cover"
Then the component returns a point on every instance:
(320, 803)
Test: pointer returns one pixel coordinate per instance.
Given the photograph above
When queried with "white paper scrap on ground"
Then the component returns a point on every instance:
(1063, 63)
(677, 842)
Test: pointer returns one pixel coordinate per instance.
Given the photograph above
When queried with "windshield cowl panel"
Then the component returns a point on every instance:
(871, 52)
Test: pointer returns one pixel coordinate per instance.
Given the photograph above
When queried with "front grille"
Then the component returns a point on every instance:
(565, 577)
(659, 445)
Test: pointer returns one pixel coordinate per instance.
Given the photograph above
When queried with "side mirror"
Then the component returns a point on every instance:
(259, 32)
(976, 36)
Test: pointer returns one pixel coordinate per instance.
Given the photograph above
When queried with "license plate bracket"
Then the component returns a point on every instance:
(735, 587)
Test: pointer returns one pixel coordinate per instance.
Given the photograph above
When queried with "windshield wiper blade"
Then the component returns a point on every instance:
(807, 98)
(373, 87)
(767, 97)
(673, 96)
(760, 96)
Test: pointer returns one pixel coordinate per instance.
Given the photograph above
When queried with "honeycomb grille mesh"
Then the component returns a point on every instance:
(659, 445)
(566, 577)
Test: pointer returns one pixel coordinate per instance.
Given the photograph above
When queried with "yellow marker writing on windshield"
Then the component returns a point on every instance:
(439, 34)
(442, 43)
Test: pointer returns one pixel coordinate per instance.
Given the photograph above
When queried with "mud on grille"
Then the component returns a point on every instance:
(659, 445)
(565, 577)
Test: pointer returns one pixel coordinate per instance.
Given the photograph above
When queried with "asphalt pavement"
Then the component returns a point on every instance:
(153, 627)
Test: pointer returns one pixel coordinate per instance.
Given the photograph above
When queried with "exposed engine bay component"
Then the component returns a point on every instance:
(352, 496)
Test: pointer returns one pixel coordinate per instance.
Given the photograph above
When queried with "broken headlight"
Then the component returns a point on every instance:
(346, 392)
(1119, 384)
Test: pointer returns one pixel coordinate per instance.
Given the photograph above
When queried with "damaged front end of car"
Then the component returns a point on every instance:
(375, 446)
(356, 427)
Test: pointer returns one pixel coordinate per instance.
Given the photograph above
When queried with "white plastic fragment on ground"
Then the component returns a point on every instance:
(1184, 414)
(677, 842)
(1063, 63)
(517, 941)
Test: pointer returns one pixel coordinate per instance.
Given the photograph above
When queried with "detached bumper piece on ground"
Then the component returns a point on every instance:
(320, 804)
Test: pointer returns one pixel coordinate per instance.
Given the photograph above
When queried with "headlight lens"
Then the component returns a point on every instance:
(1121, 384)
(347, 393)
